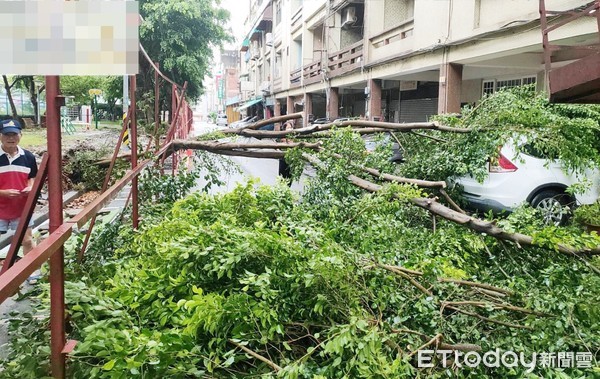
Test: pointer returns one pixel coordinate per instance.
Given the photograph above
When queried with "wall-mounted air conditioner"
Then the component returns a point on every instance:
(269, 39)
(349, 17)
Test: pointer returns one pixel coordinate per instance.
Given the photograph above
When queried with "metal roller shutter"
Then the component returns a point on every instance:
(417, 110)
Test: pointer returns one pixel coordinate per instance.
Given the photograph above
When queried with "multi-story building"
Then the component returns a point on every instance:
(228, 81)
(398, 60)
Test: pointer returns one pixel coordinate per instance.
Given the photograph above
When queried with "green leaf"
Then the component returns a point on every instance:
(109, 365)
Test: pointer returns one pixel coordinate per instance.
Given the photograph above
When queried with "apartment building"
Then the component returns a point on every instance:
(399, 60)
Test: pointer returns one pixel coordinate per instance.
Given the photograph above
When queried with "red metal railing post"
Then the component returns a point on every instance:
(156, 107)
(107, 177)
(17, 239)
(55, 199)
(134, 153)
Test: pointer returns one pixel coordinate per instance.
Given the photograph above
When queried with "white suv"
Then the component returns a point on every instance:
(541, 182)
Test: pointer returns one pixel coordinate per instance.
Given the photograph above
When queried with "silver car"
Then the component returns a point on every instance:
(221, 119)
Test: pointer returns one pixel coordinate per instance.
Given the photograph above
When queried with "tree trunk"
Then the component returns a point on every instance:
(33, 96)
(10, 99)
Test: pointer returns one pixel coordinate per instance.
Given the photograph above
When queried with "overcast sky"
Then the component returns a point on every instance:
(239, 11)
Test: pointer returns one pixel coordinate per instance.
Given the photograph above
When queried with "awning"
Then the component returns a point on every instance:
(249, 104)
(245, 44)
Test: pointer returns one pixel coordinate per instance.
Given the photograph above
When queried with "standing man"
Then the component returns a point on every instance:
(18, 169)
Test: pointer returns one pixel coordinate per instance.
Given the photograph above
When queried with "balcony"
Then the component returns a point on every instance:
(247, 86)
(392, 41)
(265, 87)
(311, 73)
(295, 78)
(339, 63)
(345, 60)
(277, 84)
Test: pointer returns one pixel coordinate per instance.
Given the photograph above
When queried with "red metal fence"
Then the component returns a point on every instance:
(51, 249)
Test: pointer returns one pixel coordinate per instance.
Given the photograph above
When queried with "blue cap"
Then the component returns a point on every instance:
(10, 126)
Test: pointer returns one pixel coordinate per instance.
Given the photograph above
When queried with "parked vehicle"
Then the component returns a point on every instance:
(340, 119)
(221, 119)
(371, 143)
(322, 120)
(529, 178)
(243, 122)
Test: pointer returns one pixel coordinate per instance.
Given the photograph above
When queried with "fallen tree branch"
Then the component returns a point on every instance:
(399, 179)
(251, 154)
(473, 223)
(451, 202)
(106, 161)
(483, 318)
(359, 126)
(452, 304)
(478, 285)
(476, 224)
(483, 304)
(497, 291)
(404, 127)
(434, 340)
(219, 145)
(436, 139)
(255, 355)
(266, 121)
(418, 285)
(441, 344)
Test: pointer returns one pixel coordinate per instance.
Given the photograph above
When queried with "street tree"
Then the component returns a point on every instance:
(180, 35)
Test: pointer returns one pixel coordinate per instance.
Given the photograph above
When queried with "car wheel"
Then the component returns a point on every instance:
(553, 205)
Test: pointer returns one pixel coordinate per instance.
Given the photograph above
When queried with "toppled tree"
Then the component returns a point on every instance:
(343, 284)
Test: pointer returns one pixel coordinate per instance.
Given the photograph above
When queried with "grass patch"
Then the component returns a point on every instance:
(36, 138)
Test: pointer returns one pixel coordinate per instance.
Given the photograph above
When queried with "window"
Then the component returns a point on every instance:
(277, 13)
(490, 86)
(507, 83)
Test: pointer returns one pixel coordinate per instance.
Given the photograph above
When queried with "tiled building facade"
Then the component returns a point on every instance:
(396, 60)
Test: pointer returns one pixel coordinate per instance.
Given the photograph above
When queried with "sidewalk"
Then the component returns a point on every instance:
(13, 305)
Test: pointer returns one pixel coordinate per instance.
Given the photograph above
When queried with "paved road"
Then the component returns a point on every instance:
(264, 169)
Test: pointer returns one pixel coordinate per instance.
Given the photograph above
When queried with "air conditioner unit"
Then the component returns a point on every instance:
(269, 39)
(349, 17)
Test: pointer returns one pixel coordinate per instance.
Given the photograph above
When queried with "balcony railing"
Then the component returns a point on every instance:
(339, 63)
(295, 77)
(345, 60)
(311, 73)
(397, 33)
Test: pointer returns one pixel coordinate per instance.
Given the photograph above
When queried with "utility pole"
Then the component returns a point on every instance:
(125, 95)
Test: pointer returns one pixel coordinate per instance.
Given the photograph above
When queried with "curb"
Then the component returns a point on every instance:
(39, 218)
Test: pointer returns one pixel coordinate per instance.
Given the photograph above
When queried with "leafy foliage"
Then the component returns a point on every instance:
(301, 288)
(588, 213)
(83, 171)
(568, 132)
(79, 86)
(309, 286)
(181, 36)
